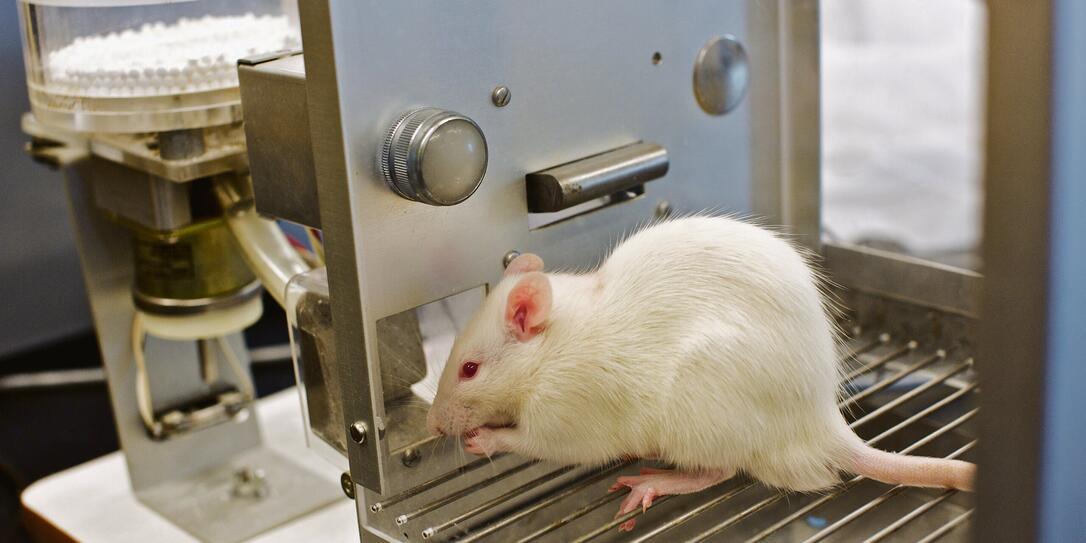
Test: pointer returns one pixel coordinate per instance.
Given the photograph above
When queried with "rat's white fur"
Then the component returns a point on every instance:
(701, 341)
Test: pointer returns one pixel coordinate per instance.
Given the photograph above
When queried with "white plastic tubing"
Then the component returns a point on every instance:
(267, 251)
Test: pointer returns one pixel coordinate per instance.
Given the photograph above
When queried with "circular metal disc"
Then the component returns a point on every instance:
(721, 75)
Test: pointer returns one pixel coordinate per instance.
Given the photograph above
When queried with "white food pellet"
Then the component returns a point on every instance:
(188, 56)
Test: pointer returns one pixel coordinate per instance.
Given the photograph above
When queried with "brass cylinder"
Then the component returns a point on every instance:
(190, 269)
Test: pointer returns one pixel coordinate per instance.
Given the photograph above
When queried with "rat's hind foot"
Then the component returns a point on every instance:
(653, 483)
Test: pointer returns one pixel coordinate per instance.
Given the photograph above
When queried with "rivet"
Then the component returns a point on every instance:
(663, 209)
(359, 431)
(411, 457)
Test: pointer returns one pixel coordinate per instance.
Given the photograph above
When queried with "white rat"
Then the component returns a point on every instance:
(703, 342)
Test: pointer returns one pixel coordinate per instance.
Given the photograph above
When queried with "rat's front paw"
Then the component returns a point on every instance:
(484, 441)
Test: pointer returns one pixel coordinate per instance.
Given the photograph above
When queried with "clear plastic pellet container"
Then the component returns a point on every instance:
(146, 65)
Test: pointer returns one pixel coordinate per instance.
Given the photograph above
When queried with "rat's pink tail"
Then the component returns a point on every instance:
(900, 469)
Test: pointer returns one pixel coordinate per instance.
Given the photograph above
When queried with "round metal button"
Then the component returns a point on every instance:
(434, 156)
(721, 75)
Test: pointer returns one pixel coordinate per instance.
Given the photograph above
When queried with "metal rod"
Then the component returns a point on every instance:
(942, 430)
(925, 412)
(584, 510)
(735, 519)
(209, 368)
(415, 490)
(897, 353)
(801, 511)
(563, 493)
(912, 515)
(885, 383)
(882, 339)
(406, 517)
(493, 502)
(618, 520)
(859, 511)
(939, 379)
(946, 528)
(682, 519)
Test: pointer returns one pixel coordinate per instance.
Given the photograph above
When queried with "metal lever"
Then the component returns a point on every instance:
(577, 182)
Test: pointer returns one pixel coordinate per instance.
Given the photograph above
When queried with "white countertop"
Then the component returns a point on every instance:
(93, 502)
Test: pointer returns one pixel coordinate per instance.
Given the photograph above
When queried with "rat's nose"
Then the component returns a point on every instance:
(433, 426)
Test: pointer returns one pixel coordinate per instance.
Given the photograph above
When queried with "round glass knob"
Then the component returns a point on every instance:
(434, 156)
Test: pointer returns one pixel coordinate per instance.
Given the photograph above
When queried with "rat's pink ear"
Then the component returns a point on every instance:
(525, 263)
(528, 306)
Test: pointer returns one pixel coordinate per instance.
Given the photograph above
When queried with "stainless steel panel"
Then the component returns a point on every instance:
(277, 134)
(568, 105)
(138, 197)
(1032, 311)
(900, 277)
(785, 98)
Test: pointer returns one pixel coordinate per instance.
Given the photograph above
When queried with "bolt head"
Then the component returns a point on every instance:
(358, 432)
(663, 209)
(509, 257)
(500, 96)
(411, 457)
(347, 485)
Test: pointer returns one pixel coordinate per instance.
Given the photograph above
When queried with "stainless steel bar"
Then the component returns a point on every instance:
(886, 383)
(377, 507)
(682, 519)
(946, 528)
(897, 353)
(406, 517)
(493, 502)
(772, 529)
(912, 515)
(584, 510)
(925, 412)
(881, 499)
(942, 430)
(566, 491)
(936, 381)
(882, 339)
(738, 517)
(735, 519)
(209, 367)
(618, 521)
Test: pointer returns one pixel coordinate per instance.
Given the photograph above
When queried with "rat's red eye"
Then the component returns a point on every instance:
(467, 371)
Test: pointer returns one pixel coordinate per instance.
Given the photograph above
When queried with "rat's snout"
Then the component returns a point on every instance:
(433, 425)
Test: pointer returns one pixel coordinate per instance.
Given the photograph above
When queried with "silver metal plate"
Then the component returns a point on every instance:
(207, 506)
(569, 105)
(588, 77)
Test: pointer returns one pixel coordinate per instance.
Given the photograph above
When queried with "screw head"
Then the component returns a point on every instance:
(509, 257)
(663, 209)
(358, 432)
(500, 96)
(347, 485)
(411, 457)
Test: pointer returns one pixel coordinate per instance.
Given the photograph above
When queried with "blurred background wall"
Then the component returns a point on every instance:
(903, 87)
(41, 289)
